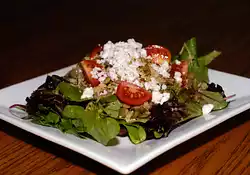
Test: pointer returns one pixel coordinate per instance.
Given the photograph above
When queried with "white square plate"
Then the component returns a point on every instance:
(133, 156)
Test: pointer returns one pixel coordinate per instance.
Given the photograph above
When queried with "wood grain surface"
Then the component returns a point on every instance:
(42, 36)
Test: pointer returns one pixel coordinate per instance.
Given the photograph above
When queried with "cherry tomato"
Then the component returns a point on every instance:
(159, 54)
(96, 51)
(183, 69)
(88, 66)
(132, 94)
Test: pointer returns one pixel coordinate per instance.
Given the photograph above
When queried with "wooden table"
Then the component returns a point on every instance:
(39, 37)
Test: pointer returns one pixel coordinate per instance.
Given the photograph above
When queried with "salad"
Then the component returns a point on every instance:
(124, 89)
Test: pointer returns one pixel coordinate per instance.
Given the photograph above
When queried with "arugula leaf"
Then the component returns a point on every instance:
(207, 59)
(214, 98)
(113, 109)
(52, 118)
(78, 124)
(70, 92)
(194, 109)
(197, 66)
(65, 125)
(200, 72)
(136, 133)
(188, 51)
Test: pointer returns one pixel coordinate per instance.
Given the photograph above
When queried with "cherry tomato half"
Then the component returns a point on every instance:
(132, 94)
(88, 66)
(96, 51)
(159, 54)
(183, 69)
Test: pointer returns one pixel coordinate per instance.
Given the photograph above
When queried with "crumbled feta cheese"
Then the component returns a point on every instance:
(138, 83)
(95, 71)
(177, 62)
(206, 109)
(160, 98)
(87, 93)
(177, 77)
(98, 73)
(112, 74)
(165, 97)
(163, 87)
(152, 85)
(156, 97)
(162, 69)
(143, 53)
(124, 59)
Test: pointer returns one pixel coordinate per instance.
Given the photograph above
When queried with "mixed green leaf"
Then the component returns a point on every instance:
(197, 65)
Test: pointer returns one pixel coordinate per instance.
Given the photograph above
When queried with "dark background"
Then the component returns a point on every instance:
(41, 36)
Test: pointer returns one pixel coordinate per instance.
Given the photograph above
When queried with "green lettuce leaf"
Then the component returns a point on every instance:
(136, 133)
(188, 51)
(101, 129)
(194, 109)
(74, 112)
(197, 66)
(113, 109)
(207, 59)
(65, 125)
(78, 124)
(107, 99)
(158, 135)
(215, 98)
(200, 72)
(50, 119)
(70, 92)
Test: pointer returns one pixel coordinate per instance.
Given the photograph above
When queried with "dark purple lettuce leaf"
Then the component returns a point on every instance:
(216, 88)
(164, 118)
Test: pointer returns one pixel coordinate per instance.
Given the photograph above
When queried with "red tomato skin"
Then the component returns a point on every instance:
(158, 53)
(183, 69)
(87, 66)
(95, 51)
(121, 94)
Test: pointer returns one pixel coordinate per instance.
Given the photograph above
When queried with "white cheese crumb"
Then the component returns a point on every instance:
(156, 97)
(177, 62)
(162, 69)
(123, 57)
(87, 93)
(160, 98)
(138, 83)
(112, 74)
(152, 85)
(206, 109)
(163, 87)
(177, 77)
(97, 73)
(165, 97)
